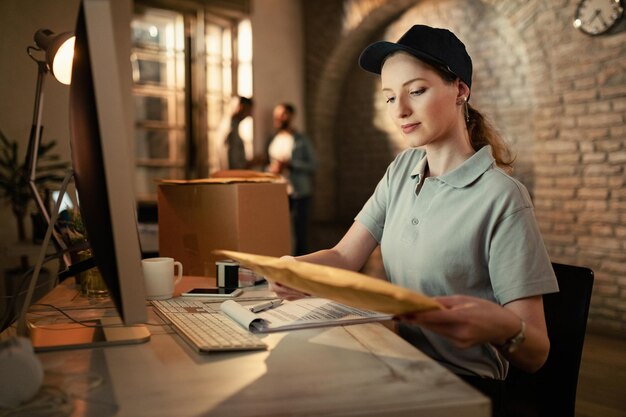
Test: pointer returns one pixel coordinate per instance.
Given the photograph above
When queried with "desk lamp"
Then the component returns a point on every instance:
(59, 54)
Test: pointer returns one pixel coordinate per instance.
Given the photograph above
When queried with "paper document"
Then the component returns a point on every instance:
(340, 285)
(299, 314)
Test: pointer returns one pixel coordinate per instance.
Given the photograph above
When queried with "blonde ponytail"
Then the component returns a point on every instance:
(482, 133)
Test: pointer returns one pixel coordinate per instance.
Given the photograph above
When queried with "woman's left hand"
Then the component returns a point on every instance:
(468, 321)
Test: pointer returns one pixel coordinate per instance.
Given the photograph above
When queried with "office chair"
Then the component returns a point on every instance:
(551, 391)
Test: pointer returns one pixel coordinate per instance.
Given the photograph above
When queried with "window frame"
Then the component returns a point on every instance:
(196, 16)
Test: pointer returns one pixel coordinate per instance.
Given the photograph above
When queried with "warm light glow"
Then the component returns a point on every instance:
(62, 64)
(244, 81)
(355, 11)
(245, 40)
(244, 55)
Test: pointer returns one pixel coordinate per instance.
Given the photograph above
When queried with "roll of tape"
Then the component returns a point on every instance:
(227, 274)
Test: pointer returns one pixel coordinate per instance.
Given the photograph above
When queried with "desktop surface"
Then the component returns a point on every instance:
(358, 370)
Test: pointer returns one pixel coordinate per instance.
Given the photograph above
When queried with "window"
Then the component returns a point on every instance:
(188, 61)
(158, 62)
(229, 73)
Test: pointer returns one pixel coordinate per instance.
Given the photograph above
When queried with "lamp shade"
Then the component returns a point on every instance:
(59, 52)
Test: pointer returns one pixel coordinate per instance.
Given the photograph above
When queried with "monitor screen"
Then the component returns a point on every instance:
(101, 143)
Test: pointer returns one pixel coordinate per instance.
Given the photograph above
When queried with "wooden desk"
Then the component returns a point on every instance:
(360, 370)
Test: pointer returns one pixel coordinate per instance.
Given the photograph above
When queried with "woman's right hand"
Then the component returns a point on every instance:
(283, 291)
(286, 292)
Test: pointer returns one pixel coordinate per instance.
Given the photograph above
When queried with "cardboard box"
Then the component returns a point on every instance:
(197, 217)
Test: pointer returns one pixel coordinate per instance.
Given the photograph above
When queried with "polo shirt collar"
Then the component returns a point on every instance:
(420, 168)
(464, 174)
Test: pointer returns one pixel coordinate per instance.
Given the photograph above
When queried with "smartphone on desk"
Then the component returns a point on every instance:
(213, 292)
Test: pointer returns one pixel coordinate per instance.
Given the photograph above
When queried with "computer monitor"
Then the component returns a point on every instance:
(101, 141)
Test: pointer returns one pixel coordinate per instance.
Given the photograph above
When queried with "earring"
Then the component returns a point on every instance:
(463, 101)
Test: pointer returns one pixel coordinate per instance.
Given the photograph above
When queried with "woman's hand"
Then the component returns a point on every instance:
(468, 321)
(283, 291)
(286, 292)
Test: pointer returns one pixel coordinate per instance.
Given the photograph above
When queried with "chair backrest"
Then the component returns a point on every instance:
(551, 391)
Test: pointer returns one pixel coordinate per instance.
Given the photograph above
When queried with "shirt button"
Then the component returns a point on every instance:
(415, 221)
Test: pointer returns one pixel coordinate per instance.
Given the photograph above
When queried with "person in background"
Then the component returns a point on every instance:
(291, 154)
(451, 222)
(231, 150)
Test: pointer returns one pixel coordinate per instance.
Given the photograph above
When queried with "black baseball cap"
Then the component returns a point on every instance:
(438, 47)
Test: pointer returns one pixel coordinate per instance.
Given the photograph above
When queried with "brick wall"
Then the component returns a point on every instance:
(558, 96)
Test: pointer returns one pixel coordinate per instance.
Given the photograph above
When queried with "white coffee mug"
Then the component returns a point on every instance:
(158, 274)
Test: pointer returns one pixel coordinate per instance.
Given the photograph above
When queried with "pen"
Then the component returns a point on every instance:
(266, 305)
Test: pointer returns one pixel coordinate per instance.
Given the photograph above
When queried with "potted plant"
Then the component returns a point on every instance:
(74, 234)
(15, 176)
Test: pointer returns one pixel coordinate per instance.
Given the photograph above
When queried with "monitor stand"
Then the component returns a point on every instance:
(104, 331)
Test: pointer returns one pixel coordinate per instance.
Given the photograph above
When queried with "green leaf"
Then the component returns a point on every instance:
(14, 175)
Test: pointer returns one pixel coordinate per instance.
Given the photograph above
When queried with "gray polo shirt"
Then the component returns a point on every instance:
(471, 231)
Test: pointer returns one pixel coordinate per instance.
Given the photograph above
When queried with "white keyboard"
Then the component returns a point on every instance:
(206, 329)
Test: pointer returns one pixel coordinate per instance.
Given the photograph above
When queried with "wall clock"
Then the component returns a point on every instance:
(595, 17)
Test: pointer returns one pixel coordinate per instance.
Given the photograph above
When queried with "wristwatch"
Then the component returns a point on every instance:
(512, 344)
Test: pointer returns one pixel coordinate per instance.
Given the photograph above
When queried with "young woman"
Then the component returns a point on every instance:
(451, 222)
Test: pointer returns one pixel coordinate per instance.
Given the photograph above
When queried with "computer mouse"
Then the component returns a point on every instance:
(21, 373)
